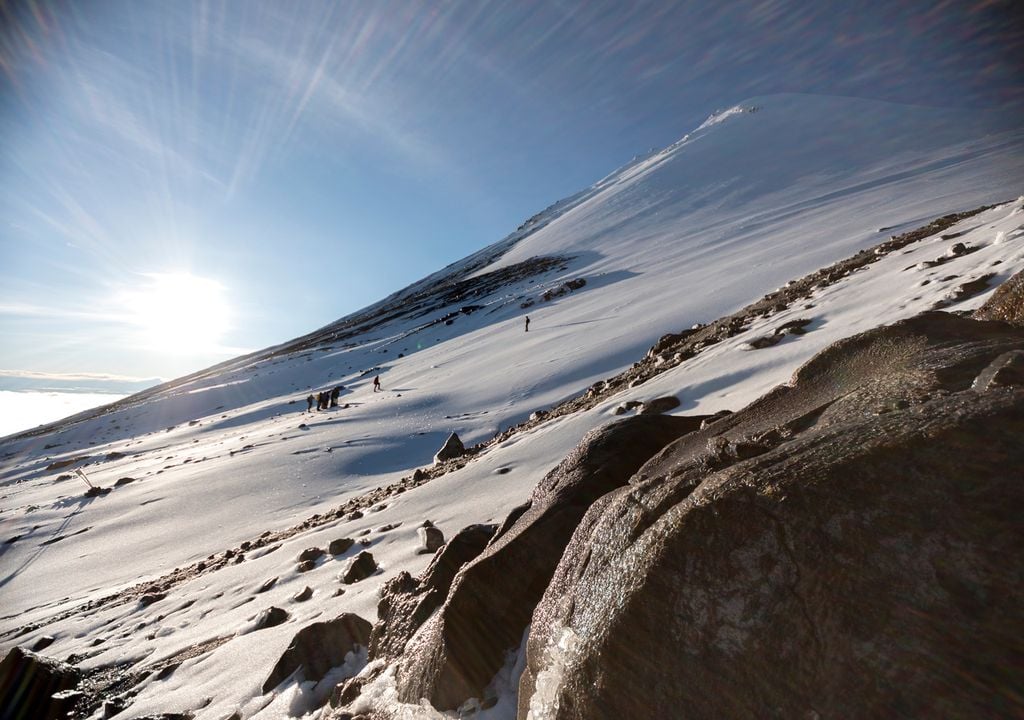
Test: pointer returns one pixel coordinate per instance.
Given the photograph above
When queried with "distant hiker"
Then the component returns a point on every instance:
(321, 401)
(376, 383)
(334, 396)
(527, 323)
(309, 402)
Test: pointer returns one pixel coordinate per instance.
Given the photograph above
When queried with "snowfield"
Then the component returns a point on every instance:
(759, 195)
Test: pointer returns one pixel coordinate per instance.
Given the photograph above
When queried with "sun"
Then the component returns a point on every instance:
(180, 313)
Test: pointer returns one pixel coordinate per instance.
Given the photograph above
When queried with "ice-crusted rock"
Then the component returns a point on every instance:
(454, 654)
(860, 559)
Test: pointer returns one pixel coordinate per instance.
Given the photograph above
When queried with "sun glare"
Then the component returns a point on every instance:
(180, 313)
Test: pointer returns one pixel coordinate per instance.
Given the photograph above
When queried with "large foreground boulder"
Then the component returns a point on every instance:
(848, 546)
(28, 683)
(457, 652)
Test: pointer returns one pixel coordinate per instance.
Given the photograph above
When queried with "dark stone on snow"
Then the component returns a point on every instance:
(42, 643)
(271, 617)
(451, 449)
(313, 553)
(267, 584)
(855, 563)
(303, 595)
(306, 566)
(124, 481)
(359, 568)
(28, 682)
(319, 647)
(340, 546)
(150, 598)
(431, 539)
(659, 405)
(454, 655)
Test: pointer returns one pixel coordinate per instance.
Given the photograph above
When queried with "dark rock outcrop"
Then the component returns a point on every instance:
(317, 648)
(1006, 303)
(405, 602)
(28, 683)
(847, 546)
(454, 655)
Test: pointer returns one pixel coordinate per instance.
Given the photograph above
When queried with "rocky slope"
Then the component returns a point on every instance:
(844, 547)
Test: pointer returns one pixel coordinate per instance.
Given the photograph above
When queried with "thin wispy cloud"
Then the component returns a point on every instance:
(70, 377)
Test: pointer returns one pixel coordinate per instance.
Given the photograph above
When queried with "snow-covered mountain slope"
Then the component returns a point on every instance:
(757, 196)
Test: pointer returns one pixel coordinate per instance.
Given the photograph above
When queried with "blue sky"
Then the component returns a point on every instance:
(275, 166)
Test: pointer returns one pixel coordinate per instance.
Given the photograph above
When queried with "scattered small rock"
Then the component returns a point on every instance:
(340, 546)
(271, 617)
(659, 405)
(306, 566)
(267, 584)
(303, 595)
(431, 539)
(312, 553)
(42, 643)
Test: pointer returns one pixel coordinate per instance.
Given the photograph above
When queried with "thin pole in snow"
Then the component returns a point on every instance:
(80, 473)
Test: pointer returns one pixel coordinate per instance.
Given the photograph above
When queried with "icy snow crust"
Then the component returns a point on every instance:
(732, 211)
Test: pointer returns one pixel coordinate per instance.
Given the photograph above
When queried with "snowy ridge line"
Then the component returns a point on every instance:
(671, 351)
(447, 277)
(675, 348)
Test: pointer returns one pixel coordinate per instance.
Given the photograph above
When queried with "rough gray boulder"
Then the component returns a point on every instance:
(455, 654)
(319, 647)
(847, 546)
